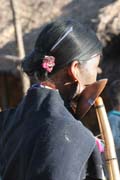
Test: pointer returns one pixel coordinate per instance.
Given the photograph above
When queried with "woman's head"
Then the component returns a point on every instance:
(64, 42)
(65, 52)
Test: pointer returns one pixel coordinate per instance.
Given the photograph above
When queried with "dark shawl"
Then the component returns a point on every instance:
(41, 140)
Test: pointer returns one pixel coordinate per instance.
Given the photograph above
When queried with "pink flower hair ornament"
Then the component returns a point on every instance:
(48, 63)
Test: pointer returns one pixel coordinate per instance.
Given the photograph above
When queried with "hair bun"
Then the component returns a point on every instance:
(27, 63)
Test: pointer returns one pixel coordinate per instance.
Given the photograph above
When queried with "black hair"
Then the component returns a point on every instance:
(66, 40)
(114, 93)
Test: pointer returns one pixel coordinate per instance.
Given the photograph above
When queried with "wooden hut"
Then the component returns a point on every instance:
(13, 82)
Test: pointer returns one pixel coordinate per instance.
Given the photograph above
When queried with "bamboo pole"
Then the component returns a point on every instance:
(106, 133)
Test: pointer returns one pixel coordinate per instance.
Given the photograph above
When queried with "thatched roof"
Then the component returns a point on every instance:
(104, 15)
(109, 22)
(9, 64)
(34, 14)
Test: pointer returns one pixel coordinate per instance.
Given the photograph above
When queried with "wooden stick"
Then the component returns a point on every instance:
(18, 29)
(110, 153)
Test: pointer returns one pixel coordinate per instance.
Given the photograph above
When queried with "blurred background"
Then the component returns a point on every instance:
(20, 23)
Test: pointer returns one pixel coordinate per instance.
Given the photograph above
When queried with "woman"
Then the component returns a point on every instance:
(41, 139)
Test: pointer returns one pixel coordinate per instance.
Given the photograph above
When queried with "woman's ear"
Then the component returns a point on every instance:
(73, 70)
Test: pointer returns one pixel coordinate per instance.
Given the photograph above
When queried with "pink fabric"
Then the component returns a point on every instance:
(100, 145)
